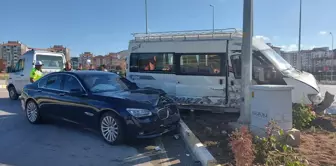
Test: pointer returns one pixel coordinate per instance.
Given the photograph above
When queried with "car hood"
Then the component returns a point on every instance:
(140, 95)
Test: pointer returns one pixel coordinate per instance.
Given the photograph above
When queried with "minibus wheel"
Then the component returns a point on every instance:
(12, 93)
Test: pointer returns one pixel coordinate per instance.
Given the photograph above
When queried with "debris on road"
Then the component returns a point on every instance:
(157, 148)
(224, 132)
(176, 136)
(331, 110)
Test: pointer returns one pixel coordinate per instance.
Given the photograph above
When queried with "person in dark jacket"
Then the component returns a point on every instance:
(103, 68)
(80, 67)
(92, 67)
(68, 66)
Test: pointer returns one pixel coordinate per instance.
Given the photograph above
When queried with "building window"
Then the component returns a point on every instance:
(152, 62)
(201, 64)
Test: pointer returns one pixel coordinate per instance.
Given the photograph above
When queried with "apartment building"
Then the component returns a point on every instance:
(11, 52)
(98, 60)
(111, 60)
(84, 57)
(74, 62)
(61, 49)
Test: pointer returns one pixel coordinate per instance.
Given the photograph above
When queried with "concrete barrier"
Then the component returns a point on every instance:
(199, 151)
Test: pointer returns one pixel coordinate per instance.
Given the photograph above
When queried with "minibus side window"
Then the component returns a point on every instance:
(261, 68)
(152, 62)
(202, 64)
(236, 65)
(133, 63)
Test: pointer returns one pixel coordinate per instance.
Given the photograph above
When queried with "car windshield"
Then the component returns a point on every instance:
(50, 61)
(105, 82)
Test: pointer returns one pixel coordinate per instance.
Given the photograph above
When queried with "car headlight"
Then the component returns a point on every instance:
(315, 98)
(138, 113)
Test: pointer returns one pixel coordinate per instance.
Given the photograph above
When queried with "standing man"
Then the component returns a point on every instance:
(103, 68)
(80, 67)
(68, 66)
(91, 67)
(36, 72)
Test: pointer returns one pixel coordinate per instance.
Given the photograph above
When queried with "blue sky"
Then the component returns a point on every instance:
(103, 26)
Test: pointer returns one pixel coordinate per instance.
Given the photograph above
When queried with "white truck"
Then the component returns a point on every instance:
(202, 69)
(19, 76)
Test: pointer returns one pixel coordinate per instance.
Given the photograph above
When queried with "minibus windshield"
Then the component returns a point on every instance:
(50, 61)
(278, 61)
(271, 55)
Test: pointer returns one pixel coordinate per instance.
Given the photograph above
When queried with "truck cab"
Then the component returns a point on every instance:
(19, 75)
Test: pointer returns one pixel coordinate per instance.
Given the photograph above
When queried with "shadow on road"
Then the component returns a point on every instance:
(63, 143)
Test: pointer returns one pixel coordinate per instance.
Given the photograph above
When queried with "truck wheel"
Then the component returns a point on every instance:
(12, 93)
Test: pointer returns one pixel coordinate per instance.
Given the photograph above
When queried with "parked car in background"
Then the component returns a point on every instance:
(100, 100)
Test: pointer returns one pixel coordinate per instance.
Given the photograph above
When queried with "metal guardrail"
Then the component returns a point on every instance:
(185, 35)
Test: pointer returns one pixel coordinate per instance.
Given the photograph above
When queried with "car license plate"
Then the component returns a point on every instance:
(168, 121)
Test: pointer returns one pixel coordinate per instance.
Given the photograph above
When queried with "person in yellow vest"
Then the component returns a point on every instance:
(36, 72)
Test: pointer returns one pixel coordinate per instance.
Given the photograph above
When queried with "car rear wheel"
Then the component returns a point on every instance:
(12, 93)
(32, 112)
(111, 128)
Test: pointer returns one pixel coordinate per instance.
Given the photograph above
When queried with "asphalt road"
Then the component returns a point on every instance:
(60, 143)
(330, 88)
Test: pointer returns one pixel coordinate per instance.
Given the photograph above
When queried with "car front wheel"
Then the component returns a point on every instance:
(32, 112)
(111, 128)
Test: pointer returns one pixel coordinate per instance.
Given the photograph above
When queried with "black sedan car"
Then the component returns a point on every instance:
(113, 105)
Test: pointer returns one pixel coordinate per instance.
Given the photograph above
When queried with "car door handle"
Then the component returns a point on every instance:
(39, 90)
(22, 74)
(62, 94)
(9, 78)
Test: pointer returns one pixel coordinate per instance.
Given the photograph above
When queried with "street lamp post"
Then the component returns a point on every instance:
(332, 55)
(245, 111)
(213, 18)
(299, 46)
(146, 15)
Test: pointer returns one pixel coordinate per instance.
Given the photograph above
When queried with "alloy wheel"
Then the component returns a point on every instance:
(109, 129)
(31, 111)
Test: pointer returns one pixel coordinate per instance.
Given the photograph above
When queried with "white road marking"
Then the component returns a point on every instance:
(163, 157)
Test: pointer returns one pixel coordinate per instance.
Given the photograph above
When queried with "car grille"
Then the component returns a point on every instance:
(163, 113)
(166, 111)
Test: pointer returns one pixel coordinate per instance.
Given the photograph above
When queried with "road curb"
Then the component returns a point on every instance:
(199, 151)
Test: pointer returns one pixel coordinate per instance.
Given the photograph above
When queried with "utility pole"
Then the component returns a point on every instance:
(146, 16)
(332, 56)
(213, 18)
(245, 110)
(299, 50)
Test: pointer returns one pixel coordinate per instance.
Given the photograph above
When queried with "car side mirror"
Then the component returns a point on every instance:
(76, 92)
